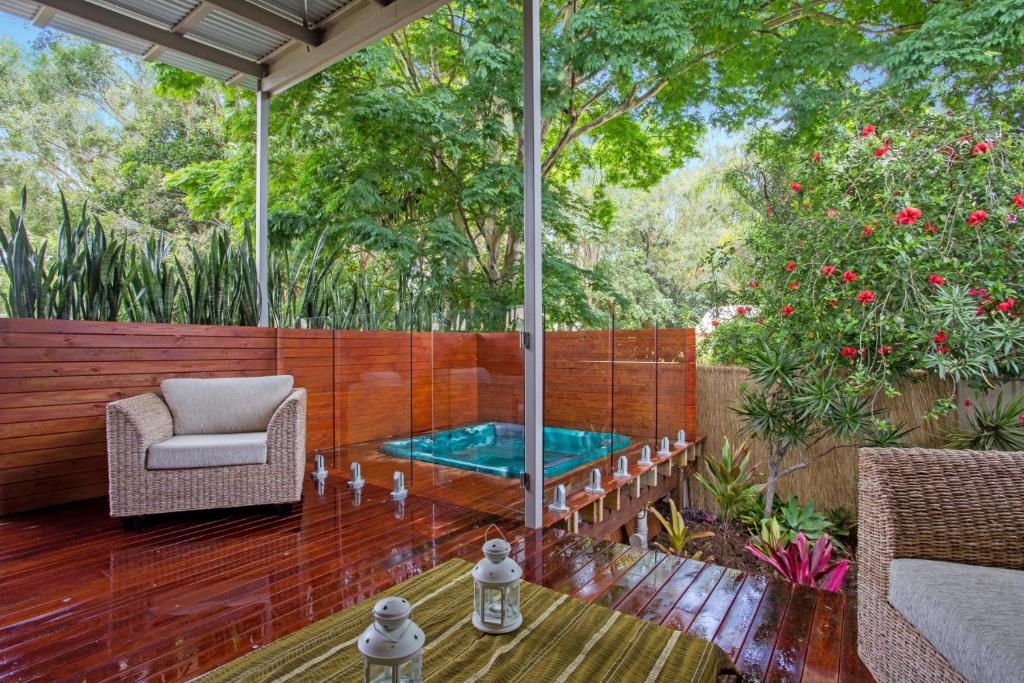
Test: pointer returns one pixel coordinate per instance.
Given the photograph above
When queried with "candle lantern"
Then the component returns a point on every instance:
(496, 581)
(392, 645)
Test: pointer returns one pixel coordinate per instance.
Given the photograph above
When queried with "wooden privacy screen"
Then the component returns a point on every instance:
(56, 377)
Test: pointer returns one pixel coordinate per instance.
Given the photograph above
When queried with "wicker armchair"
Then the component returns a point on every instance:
(135, 425)
(963, 507)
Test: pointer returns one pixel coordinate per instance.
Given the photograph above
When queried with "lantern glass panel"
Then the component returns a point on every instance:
(409, 671)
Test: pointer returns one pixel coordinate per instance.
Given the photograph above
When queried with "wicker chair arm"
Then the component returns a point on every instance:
(134, 424)
(956, 506)
(286, 433)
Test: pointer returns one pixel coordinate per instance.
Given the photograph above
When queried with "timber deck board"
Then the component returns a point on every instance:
(82, 600)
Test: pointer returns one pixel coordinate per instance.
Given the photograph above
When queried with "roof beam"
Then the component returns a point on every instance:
(42, 16)
(186, 23)
(357, 25)
(153, 34)
(269, 20)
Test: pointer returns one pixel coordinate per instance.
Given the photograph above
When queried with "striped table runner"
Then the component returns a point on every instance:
(562, 639)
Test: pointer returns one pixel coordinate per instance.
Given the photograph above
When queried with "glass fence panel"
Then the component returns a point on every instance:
(469, 410)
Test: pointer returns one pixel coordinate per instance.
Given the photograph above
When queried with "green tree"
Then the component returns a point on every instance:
(412, 145)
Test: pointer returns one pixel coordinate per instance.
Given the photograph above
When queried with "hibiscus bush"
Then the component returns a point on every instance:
(891, 247)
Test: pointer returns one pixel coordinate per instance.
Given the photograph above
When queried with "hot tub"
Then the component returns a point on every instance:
(498, 448)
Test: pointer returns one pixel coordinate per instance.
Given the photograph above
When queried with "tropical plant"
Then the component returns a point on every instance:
(28, 279)
(844, 524)
(802, 520)
(804, 564)
(995, 427)
(793, 404)
(679, 535)
(769, 535)
(220, 289)
(152, 281)
(730, 481)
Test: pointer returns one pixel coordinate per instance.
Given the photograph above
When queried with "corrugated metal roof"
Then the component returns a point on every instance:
(99, 34)
(165, 13)
(236, 35)
(189, 63)
(239, 41)
(313, 10)
(19, 8)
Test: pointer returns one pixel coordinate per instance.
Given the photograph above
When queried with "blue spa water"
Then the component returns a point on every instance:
(498, 448)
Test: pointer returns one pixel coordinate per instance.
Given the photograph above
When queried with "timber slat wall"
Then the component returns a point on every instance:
(598, 380)
(57, 376)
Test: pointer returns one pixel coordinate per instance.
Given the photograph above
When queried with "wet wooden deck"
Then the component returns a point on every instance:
(81, 600)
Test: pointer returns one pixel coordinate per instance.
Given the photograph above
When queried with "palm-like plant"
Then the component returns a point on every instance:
(679, 535)
(998, 427)
(793, 405)
(729, 481)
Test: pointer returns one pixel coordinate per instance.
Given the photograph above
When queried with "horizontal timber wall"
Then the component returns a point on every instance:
(57, 376)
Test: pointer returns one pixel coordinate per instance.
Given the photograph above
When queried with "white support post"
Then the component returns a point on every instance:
(262, 168)
(532, 277)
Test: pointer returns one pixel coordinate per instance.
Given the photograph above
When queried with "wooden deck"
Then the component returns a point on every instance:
(81, 600)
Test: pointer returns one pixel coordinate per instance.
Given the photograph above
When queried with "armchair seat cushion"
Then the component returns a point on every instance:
(974, 616)
(188, 451)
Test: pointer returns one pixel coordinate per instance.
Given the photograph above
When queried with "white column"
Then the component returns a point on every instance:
(532, 277)
(262, 244)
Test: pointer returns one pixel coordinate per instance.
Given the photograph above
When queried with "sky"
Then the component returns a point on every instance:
(18, 30)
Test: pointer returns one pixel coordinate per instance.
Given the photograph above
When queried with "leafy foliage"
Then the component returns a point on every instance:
(730, 481)
(803, 563)
(679, 536)
(792, 405)
(996, 427)
(802, 520)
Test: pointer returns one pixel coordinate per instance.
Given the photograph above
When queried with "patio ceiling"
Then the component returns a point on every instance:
(267, 45)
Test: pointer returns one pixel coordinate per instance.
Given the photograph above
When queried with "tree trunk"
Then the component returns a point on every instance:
(770, 485)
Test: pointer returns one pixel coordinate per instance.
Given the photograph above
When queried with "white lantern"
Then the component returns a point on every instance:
(496, 589)
(392, 646)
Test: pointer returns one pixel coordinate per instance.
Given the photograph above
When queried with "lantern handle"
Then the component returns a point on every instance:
(495, 527)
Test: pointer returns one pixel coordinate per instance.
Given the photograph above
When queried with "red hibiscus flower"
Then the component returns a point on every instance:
(936, 280)
(769, 211)
(1018, 200)
(867, 130)
(967, 403)
(832, 302)
(908, 216)
(884, 149)
(715, 323)
(796, 187)
(1020, 419)
(849, 276)
(885, 350)
(980, 310)
(941, 349)
(849, 352)
(787, 310)
(1005, 306)
(793, 285)
(816, 156)
(828, 271)
(931, 228)
(977, 217)
(741, 310)
(866, 297)
(981, 148)
(754, 284)
(791, 266)
(940, 337)
(868, 231)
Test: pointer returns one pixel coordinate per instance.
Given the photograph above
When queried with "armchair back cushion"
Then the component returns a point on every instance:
(230, 405)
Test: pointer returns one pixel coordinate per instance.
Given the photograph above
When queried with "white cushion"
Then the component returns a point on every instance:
(971, 614)
(208, 450)
(229, 405)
